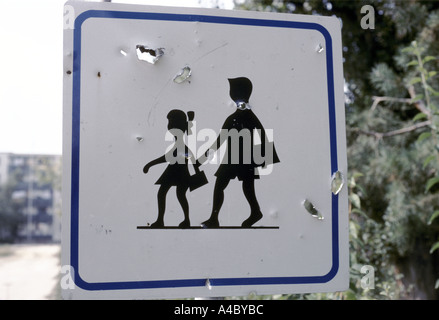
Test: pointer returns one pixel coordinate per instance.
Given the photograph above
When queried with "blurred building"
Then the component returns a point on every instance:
(31, 197)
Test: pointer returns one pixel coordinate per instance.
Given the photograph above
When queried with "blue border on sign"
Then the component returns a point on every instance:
(76, 110)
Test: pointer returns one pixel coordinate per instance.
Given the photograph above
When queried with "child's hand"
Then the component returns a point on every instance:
(146, 168)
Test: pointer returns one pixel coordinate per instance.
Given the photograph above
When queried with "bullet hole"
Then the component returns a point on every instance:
(149, 55)
(337, 182)
(183, 75)
(312, 210)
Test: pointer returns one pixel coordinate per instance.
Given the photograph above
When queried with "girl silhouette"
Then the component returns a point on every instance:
(176, 173)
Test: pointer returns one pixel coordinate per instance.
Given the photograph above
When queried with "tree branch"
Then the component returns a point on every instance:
(377, 100)
(380, 135)
(419, 104)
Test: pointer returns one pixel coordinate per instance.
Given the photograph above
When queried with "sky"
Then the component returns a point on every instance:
(31, 34)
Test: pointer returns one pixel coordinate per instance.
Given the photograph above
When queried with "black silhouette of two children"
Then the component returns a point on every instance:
(238, 162)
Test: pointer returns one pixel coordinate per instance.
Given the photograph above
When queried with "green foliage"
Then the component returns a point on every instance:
(433, 216)
(424, 78)
(386, 80)
(392, 121)
(405, 166)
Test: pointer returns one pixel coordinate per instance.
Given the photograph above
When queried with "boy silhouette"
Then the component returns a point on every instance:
(239, 161)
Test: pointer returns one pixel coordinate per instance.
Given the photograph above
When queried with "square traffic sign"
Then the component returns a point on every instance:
(204, 153)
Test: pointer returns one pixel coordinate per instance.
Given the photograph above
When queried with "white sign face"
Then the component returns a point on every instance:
(166, 190)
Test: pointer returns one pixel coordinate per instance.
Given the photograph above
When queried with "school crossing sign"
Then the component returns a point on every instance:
(204, 153)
